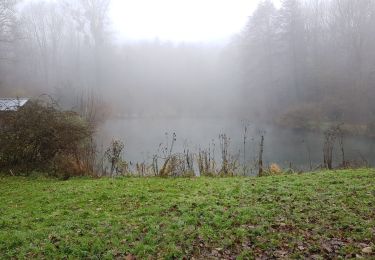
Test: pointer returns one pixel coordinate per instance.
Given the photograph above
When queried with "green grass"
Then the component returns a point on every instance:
(327, 214)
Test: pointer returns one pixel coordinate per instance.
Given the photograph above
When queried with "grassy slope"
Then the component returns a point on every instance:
(326, 214)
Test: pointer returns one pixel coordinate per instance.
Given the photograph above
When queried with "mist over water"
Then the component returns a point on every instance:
(144, 136)
(187, 129)
(294, 69)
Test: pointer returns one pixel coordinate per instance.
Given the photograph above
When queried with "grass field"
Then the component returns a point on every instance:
(322, 215)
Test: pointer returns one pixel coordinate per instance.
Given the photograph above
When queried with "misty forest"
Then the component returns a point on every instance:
(271, 127)
(293, 73)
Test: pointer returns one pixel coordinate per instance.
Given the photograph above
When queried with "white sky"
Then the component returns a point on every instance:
(180, 20)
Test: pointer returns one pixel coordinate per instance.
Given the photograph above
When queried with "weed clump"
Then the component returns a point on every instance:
(275, 169)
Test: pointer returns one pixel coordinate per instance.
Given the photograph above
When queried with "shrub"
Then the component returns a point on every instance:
(114, 156)
(275, 169)
(177, 165)
(39, 136)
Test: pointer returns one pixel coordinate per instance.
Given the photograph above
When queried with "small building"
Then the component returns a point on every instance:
(12, 104)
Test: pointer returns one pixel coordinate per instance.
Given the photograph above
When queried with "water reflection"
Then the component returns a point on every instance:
(302, 150)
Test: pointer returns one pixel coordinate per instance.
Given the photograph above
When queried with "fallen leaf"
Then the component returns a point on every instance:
(367, 250)
(130, 257)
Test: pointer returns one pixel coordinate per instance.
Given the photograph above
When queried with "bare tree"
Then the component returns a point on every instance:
(260, 159)
(8, 30)
(8, 20)
(114, 156)
(43, 28)
(308, 149)
(330, 136)
(244, 150)
(96, 14)
(224, 146)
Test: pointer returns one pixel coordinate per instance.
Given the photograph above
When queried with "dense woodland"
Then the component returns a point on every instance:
(305, 62)
(297, 81)
(312, 59)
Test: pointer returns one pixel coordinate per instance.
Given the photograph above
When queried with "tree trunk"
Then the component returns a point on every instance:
(260, 173)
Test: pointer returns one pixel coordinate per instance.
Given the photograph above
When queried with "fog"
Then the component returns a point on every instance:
(289, 70)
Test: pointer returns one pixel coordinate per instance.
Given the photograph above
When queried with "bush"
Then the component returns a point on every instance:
(114, 156)
(40, 136)
(275, 169)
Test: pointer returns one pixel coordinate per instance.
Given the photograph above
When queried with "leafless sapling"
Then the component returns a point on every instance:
(260, 160)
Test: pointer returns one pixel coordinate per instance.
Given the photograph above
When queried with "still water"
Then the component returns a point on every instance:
(143, 137)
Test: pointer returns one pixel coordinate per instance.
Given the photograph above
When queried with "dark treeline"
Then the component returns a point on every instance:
(68, 49)
(305, 62)
(311, 61)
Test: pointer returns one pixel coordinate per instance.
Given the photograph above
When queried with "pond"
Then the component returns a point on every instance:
(144, 138)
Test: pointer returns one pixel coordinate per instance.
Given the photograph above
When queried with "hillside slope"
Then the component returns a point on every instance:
(326, 214)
